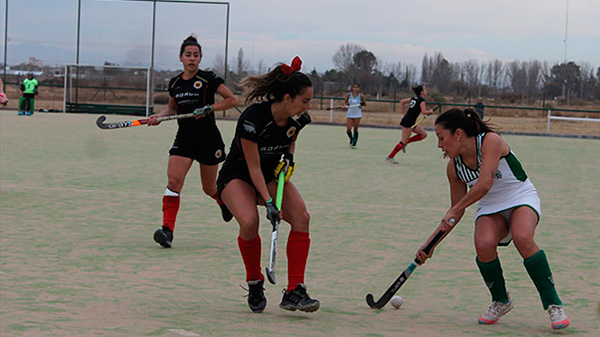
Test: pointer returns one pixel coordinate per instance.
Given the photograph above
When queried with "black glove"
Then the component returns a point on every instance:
(272, 211)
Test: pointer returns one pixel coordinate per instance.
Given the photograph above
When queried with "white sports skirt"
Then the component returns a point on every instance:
(527, 198)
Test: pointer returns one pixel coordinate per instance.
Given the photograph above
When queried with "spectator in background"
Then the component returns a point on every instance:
(3, 99)
(29, 89)
(479, 106)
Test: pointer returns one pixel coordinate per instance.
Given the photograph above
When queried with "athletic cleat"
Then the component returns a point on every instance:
(391, 160)
(164, 237)
(558, 317)
(21, 113)
(29, 113)
(256, 296)
(495, 311)
(299, 299)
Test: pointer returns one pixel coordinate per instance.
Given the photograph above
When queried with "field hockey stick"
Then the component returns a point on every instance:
(275, 223)
(393, 289)
(342, 108)
(423, 118)
(138, 122)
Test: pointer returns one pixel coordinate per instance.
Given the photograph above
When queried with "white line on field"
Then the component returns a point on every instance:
(184, 332)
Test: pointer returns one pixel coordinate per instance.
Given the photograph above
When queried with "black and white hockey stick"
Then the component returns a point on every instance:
(387, 296)
(275, 233)
(138, 122)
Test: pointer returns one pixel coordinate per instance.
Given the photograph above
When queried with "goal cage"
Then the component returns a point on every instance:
(105, 89)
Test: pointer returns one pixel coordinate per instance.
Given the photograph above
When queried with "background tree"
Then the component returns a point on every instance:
(343, 59)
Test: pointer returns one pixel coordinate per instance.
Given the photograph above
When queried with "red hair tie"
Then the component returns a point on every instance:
(296, 64)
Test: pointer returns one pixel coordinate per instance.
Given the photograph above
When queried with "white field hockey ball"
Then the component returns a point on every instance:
(396, 302)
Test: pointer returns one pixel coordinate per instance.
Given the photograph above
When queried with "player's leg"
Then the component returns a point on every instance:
(22, 105)
(523, 222)
(349, 130)
(177, 169)
(489, 231)
(31, 109)
(355, 124)
(420, 134)
(406, 132)
(240, 198)
(295, 213)
(208, 177)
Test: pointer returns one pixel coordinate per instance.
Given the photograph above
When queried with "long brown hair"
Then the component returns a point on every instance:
(275, 84)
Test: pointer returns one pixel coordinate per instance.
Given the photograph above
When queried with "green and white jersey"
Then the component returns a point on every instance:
(354, 110)
(511, 187)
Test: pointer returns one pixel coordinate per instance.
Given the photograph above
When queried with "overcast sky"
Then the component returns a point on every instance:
(272, 31)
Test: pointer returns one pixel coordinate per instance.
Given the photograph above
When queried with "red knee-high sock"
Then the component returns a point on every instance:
(415, 138)
(170, 208)
(250, 250)
(297, 255)
(396, 149)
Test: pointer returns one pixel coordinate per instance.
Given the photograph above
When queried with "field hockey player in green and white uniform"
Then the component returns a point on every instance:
(484, 170)
(353, 102)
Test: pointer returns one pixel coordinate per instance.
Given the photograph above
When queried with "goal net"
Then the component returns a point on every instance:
(107, 90)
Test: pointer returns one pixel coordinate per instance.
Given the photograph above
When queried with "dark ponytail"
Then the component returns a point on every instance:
(418, 89)
(468, 120)
(190, 41)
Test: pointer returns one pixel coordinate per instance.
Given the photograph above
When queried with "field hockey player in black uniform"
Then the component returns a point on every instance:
(267, 131)
(193, 91)
(415, 108)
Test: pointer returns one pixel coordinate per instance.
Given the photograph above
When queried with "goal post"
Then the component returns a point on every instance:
(107, 89)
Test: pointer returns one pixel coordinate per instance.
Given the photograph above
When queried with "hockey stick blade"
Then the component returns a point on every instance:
(119, 125)
(393, 289)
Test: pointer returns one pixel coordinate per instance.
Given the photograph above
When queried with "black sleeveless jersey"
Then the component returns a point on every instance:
(414, 110)
(257, 125)
(191, 94)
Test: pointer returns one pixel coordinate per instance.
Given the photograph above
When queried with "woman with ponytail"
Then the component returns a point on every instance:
(416, 106)
(198, 139)
(266, 131)
(484, 170)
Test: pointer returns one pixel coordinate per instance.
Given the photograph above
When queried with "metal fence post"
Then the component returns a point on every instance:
(331, 110)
